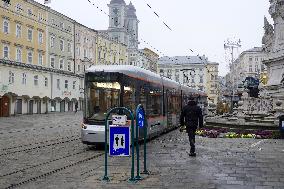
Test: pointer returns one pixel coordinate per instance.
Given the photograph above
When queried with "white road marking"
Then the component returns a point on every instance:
(257, 143)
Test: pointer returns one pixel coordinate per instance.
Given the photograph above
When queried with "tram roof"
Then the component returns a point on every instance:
(132, 71)
(143, 74)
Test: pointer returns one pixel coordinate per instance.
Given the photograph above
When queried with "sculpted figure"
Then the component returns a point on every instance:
(267, 39)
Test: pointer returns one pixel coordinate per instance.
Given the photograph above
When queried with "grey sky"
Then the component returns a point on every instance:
(200, 25)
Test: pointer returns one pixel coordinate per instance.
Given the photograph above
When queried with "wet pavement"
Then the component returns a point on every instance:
(45, 151)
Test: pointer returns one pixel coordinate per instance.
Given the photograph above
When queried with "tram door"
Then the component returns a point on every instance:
(168, 109)
(4, 106)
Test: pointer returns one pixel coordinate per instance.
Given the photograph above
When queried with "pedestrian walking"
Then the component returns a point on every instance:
(76, 107)
(191, 117)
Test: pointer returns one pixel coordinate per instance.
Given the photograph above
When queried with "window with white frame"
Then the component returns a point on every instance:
(61, 64)
(39, 16)
(78, 51)
(69, 66)
(19, 7)
(24, 78)
(52, 40)
(52, 62)
(36, 80)
(40, 58)
(69, 28)
(250, 68)
(11, 77)
(18, 30)
(30, 34)
(61, 25)
(40, 37)
(6, 26)
(90, 53)
(30, 12)
(66, 84)
(61, 45)
(69, 47)
(30, 57)
(58, 84)
(74, 84)
(201, 79)
(19, 54)
(256, 68)
(85, 53)
(46, 82)
(6, 51)
(52, 21)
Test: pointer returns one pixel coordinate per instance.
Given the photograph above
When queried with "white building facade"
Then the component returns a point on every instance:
(248, 64)
(193, 71)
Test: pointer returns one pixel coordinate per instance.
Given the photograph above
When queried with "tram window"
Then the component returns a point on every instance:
(154, 102)
(102, 96)
(143, 98)
(129, 97)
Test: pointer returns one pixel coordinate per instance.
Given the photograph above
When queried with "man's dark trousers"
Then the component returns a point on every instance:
(191, 136)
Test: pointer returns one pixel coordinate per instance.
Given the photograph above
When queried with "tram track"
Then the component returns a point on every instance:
(48, 173)
(69, 139)
(43, 163)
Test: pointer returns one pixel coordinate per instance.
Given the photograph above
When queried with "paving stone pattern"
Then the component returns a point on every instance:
(220, 163)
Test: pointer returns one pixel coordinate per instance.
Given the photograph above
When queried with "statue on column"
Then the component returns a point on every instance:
(267, 39)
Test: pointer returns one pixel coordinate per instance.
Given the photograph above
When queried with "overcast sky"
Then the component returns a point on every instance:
(200, 25)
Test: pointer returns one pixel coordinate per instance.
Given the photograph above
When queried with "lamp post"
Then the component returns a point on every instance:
(232, 45)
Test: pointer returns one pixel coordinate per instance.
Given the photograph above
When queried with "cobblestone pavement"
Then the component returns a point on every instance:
(55, 158)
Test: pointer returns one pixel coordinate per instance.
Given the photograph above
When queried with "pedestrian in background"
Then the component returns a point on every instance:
(76, 107)
(191, 117)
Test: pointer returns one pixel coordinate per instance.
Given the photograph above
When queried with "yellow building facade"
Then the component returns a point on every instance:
(110, 52)
(212, 85)
(23, 32)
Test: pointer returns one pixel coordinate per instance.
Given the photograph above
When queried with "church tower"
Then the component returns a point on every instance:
(117, 29)
(132, 26)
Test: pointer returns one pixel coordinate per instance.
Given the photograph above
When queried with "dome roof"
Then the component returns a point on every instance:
(117, 2)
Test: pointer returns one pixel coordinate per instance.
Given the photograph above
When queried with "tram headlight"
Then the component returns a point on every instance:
(83, 126)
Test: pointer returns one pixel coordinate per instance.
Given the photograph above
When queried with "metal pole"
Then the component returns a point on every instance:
(106, 178)
(138, 177)
(132, 179)
(145, 152)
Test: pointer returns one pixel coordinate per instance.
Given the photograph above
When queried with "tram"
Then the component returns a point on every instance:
(109, 86)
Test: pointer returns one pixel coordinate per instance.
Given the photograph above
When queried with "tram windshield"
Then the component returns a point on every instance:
(101, 96)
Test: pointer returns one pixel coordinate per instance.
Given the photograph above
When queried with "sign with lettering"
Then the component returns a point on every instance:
(119, 119)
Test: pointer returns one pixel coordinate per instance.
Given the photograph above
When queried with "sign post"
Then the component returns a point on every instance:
(141, 122)
(140, 119)
(119, 138)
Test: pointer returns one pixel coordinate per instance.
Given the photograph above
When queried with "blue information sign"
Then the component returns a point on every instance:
(119, 140)
(141, 117)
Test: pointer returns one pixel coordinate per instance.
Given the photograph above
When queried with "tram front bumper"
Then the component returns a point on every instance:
(92, 135)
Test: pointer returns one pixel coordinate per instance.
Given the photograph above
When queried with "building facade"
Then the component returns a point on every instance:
(110, 51)
(85, 47)
(36, 60)
(248, 64)
(193, 71)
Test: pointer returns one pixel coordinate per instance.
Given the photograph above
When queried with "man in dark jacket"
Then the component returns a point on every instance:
(191, 117)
